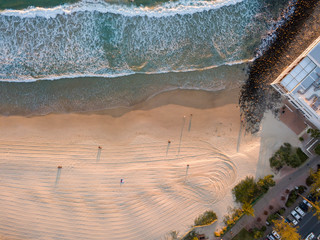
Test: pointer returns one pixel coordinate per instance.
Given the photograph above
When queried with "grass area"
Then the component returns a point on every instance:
(243, 235)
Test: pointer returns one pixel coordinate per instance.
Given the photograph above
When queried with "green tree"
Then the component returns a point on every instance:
(276, 163)
(278, 160)
(317, 149)
(285, 230)
(293, 161)
(248, 209)
(265, 183)
(246, 190)
(315, 133)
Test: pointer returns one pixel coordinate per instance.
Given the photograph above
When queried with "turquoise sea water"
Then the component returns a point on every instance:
(158, 43)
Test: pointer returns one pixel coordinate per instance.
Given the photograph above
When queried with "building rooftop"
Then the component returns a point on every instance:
(301, 80)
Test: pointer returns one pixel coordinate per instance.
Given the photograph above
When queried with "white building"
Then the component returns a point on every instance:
(300, 83)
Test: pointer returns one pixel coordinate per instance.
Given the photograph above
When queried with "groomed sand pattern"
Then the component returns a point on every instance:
(85, 200)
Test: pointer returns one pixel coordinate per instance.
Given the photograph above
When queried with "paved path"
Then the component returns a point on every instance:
(273, 197)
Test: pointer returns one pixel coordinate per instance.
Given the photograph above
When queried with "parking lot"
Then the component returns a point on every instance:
(301, 215)
(308, 224)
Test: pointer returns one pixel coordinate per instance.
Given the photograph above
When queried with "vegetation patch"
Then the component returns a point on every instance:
(276, 215)
(205, 219)
(317, 149)
(287, 156)
(190, 236)
(293, 196)
(245, 192)
(248, 190)
(302, 156)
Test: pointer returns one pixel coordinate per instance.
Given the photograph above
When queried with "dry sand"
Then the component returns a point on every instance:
(85, 200)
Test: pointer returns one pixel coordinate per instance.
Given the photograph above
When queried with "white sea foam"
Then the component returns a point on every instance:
(166, 9)
(98, 39)
(116, 75)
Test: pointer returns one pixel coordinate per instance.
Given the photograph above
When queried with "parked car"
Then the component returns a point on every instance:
(270, 237)
(304, 206)
(307, 203)
(300, 211)
(310, 236)
(311, 198)
(296, 215)
(274, 233)
(292, 220)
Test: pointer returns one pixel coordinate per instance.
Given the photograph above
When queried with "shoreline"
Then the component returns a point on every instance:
(95, 94)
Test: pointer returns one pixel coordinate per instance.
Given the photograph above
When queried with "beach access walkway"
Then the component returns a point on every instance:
(273, 197)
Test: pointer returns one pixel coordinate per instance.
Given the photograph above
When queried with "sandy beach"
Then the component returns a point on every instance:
(85, 199)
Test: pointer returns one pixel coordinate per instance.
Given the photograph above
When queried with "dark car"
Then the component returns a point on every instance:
(303, 206)
(311, 198)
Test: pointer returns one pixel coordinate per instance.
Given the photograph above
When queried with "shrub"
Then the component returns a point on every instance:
(277, 161)
(301, 189)
(217, 234)
(302, 156)
(309, 181)
(293, 161)
(317, 149)
(315, 133)
(190, 236)
(257, 234)
(287, 156)
(292, 198)
(206, 218)
(263, 229)
(282, 211)
(272, 217)
(301, 139)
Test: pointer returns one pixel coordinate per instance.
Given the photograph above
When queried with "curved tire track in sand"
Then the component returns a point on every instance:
(90, 203)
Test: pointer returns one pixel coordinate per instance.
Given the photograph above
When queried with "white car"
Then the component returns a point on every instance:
(270, 237)
(307, 203)
(296, 215)
(294, 222)
(300, 211)
(310, 236)
(274, 233)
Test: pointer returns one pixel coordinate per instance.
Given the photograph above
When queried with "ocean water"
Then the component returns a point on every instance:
(95, 54)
